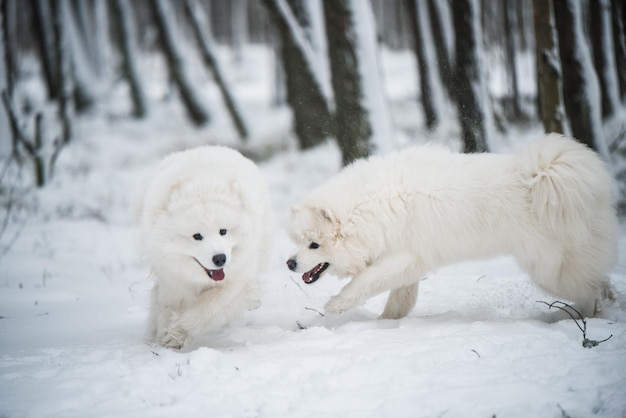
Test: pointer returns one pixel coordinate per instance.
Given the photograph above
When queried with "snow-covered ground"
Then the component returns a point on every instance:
(74, 298)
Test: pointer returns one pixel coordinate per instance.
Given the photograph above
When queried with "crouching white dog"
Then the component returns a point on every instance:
(388, 221)
(205, 223)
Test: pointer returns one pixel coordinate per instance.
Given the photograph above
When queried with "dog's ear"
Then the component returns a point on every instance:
(327, 214)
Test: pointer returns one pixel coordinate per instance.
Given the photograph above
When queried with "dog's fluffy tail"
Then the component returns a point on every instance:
(569, 183)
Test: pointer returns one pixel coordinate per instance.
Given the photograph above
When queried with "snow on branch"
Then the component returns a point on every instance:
(299, 38)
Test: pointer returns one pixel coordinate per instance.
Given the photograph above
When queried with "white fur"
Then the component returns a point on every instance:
(203, 190)
(388, 221)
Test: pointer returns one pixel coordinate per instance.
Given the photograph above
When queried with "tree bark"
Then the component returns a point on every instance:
(604, 55)
(63, 61)
(353, 126)
(123, 23)
(45, 40)
(162, 18)
(550, 96)
(9, 37)
(414, 12)
(444, 60)
(311, 113)
(205, 43)
(618, 15)
(468, 81)
(580, 84)
(510, 49)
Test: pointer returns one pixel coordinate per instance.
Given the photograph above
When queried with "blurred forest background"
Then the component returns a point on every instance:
(326, 66)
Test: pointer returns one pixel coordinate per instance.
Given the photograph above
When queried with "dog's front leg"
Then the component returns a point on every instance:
(385, 274)
(212, 309)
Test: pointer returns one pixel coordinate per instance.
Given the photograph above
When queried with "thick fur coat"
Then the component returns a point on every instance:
(387, 221)
(205, 222)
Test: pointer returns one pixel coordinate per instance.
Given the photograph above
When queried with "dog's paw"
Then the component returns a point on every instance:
(338, 304)
(174, 338)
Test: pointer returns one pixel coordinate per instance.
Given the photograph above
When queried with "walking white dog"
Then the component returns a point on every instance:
(388, 221)
(205, 227)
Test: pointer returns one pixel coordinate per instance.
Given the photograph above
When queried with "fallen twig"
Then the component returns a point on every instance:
(587, 343)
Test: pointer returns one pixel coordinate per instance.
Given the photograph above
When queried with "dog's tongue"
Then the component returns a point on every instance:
(217, 275)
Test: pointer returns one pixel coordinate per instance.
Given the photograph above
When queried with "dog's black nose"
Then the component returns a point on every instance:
(219, 259)
(292, 264)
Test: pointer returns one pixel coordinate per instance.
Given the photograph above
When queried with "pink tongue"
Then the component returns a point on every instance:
(307, 276)
(217, 275)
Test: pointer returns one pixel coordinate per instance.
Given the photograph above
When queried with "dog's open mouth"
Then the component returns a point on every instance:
(312, 275)
(216, 275)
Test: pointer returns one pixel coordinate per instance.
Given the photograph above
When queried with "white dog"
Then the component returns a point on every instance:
(205, 225)
(388, 221)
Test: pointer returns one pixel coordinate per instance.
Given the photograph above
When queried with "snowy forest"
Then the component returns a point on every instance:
(96, 92)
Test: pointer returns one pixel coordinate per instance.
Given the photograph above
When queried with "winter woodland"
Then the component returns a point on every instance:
(95, 92)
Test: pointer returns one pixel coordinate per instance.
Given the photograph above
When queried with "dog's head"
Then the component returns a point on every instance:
(325, 243)
(198, 229)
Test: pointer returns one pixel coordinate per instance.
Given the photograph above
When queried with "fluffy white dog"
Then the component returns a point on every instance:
(388, 221)
(205, 225)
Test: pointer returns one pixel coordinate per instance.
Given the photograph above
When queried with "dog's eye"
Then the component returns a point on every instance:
(223, 232)
(314, 245)
(198, 237)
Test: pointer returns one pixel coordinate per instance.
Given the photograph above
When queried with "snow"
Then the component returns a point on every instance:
(74, 298)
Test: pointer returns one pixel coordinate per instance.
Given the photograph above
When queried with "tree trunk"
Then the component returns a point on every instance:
(122, 17)
(548, 68)
(352, 120)
(444, 61)
(8, 14)
(618, 14)
(81, 68)
(469, 79)
(205, 43)
(424, 67)
(63, 60)
(603, 55)
(45, 40)
(580, 85)
(162, 18)
(311, 113)
(510, 29)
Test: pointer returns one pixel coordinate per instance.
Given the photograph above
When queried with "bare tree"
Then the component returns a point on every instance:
(123, 24)
(9, 37)
(63, 62)
(618, 15)
(312, 117)
(601, 34)
(416, 15)
(205, 43)
(353, 125)
(469, 78)
(580, 84)
(510, 22)
(162, 14)
(548, 68)
(45, 41)
(438, 12)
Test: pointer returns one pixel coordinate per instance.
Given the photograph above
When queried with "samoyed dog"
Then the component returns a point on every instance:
(205, 226)
(385, 222)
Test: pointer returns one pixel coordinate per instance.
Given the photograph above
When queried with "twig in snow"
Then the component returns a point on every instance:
(563, 413)
(297, 284)
(476, 352)
(568, 309)
(314, 310)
